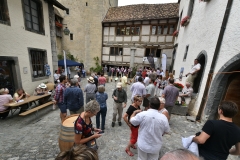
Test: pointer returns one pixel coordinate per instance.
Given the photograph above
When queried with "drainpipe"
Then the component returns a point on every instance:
(215, 56)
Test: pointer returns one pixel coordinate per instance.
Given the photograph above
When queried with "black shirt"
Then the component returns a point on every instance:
(223, 135)
(130, 111)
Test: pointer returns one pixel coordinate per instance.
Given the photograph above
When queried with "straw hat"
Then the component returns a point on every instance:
(76, 76)
(42, 85)
(119, 85)
(90, 80)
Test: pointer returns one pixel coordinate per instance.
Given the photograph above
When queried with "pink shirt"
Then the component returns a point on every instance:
(4, 99)
(102, 80)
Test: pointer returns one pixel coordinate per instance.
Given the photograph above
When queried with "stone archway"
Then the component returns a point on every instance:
(220, 86)
(202, 57)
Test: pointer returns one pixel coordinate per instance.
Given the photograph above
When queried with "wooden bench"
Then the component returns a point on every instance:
(36, 109)
(5, 111)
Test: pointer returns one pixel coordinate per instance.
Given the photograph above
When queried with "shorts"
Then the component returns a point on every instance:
(62, 107)
(134, 135)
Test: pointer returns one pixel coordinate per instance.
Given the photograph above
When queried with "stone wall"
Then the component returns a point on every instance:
(85, 22)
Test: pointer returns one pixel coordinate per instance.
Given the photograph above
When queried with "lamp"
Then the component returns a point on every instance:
(66, 31)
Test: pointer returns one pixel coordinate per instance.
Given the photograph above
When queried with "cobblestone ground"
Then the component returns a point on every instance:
(25, 138)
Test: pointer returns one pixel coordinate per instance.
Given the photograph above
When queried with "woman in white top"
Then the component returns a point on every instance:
(4, 98)
(162, 109)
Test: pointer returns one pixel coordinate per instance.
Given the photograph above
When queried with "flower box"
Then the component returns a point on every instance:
(58, 24)
(185, 21)
(178, 85)
(175, 33)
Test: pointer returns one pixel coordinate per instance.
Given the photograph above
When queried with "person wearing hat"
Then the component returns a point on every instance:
(78, 79)
(90, 90)
(120, 101)
(41, 90)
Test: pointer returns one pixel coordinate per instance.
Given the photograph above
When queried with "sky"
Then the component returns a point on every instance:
(130, 2)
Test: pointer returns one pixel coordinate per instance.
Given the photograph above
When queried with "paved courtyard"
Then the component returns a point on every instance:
(25, 138)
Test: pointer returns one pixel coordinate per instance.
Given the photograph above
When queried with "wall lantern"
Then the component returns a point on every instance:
(66, 31)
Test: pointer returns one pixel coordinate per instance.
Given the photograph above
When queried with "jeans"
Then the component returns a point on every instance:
(103, 113)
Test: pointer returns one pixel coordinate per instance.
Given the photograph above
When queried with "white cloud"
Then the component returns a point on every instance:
(130, 2)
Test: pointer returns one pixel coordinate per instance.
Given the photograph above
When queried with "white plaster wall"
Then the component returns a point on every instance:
(153, 39)
(15, 41)
(145, 29)
(169, 38)
(126, 58)
(105, 58)
(127, 38)
(126, 51)
(105, 31)
(112, 31)
(106, 50)
(112, 58)
(111, 38)
(202, 34)
(145, 39)
(139, 52)
(135, 38)
(138, 60)
(161, 38)
(119, 38)
(119, 58)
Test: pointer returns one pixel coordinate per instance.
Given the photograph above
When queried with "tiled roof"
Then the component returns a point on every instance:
(142, 12)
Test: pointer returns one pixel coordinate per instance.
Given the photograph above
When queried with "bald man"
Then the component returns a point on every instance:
(180, 154)
(186, 93)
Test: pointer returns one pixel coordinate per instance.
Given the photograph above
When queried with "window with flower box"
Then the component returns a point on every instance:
(163, 29)
(127, 30)
(4, 14)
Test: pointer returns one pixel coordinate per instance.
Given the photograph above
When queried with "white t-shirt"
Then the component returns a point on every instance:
(152, 125)
(4, 99)
(56, 76)
(150, 89)
(196, 67)
(146, 81)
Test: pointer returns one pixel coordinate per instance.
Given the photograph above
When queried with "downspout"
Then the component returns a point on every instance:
(215, 56)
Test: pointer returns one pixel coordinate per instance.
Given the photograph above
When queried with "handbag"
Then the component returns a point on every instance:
(92, 144)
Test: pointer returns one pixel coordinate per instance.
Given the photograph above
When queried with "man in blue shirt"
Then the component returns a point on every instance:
(73, 98)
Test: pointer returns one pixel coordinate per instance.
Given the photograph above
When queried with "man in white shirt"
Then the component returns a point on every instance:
(193, 73)
(146, 80)
(56, 76)
(152, 126)
(186, 93)
(138, 88)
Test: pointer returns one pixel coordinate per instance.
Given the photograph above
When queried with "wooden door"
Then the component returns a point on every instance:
(233, 94)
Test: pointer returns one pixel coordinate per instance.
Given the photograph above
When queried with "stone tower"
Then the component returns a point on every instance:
(85, 23)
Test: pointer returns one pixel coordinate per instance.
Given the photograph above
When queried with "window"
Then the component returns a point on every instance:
(154, 51)
(4, 14)
(37, 61)
(190, 8)
(33, 16)
(116, 51)
(127, 30)
(71, 36)
(58, 24)
(186, 52)
(163, 29)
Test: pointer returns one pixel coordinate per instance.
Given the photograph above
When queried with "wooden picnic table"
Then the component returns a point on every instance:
(16, 105)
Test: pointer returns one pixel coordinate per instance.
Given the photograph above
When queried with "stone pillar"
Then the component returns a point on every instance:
(132, 57)
(53, 37)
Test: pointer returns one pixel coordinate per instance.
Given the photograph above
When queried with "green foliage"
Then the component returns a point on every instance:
(69, 56)
(98, 67)
(134, 70)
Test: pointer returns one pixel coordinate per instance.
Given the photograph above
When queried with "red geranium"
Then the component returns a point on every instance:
(178, 85)
(185, 21)
(175, 33)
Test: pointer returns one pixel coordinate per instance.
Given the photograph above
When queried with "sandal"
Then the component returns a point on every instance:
(134, 147)
(129, 152)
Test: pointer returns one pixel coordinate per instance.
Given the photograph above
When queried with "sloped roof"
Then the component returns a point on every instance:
(142, 12)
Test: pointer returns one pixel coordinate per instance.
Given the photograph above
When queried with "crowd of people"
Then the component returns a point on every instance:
(153, 96)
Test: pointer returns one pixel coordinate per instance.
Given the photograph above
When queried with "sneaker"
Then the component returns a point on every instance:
(119, 123)
(113, 124)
